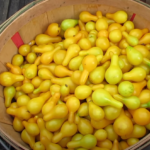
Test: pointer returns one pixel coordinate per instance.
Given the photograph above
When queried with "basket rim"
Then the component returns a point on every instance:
(30, 5)
(17, 14)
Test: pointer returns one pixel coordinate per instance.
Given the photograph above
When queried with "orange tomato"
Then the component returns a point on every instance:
(105, 144)
(141, 116)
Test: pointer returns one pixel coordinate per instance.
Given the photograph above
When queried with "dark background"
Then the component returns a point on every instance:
(7, 9)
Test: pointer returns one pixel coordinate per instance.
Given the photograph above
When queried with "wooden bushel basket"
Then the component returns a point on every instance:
(34, 19)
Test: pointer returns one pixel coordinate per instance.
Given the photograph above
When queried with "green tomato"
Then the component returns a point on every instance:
(77, 137)
(17, 60)
(81, 148)
(31, 57)
(64, 90)
(148, 84)
(81, 67)
(83, 91)
(92, 37)
(129, 25)
(90, 26)
(68, 23)
(126, 88)
(88, 141)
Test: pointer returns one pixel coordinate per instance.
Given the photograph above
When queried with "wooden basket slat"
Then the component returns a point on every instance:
(5, 118)
(7, 52)
(57, 15)
(141, 23)
(2, 69)
(29, 31)
(14, 137)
